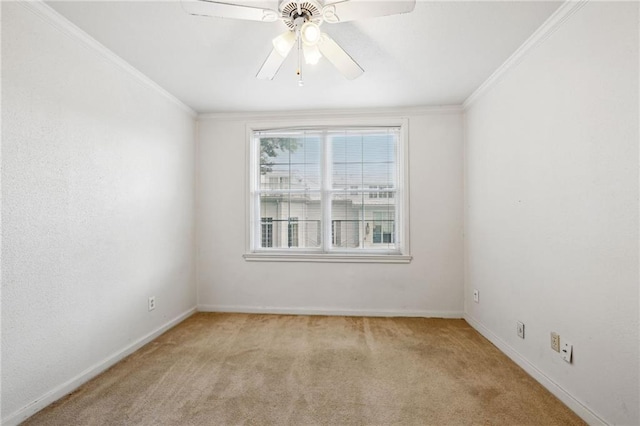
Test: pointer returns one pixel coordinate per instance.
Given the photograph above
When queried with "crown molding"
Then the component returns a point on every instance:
(50, 16)
(356, 112)
(555, 21)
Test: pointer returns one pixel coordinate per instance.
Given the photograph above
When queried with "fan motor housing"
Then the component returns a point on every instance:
(311, 11)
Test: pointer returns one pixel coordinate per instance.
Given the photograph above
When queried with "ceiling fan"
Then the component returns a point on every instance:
(303, 19)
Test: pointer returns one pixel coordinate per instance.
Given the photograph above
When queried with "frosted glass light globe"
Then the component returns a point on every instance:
(310, 33)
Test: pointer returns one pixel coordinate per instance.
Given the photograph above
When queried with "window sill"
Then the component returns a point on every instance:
(328, 258)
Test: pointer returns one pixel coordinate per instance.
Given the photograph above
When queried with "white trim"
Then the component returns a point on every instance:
(249, 177)
(252, 213)
(330, 311)
(50, 16)
(555, 21)
(314, 114)
(403, 209)
(326, 257)
(196, 209)
(579, 408)
(88, 374)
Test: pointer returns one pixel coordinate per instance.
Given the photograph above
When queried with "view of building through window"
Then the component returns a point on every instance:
(347, 178)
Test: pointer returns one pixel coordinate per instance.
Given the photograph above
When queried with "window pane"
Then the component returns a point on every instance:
(364, 159)
(358, 221)
(346, 221)
(360, 184)
(290, 162)
(293, 220)
(380, 222)
(379, 160)
(347, 175)
(292, 232)
(267, 231)
(346, 158)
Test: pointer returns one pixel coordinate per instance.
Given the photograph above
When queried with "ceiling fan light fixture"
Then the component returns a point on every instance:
(311, 54)
(310, 33)
(284, 42)
(303, 19)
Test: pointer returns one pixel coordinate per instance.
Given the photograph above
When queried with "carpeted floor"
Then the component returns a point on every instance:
(216, 369)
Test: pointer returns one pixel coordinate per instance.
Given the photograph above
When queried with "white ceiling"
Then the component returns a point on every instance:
(436, 55)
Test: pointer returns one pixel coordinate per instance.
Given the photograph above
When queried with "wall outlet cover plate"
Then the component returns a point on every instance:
(566, 351)
(555, 341)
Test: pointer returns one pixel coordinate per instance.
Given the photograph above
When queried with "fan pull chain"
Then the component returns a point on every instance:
(299, 72)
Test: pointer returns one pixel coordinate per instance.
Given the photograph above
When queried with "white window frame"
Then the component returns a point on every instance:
(402, 252)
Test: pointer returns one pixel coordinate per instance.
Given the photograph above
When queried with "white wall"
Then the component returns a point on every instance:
(430, 285)
(552, 211)
(97, 212)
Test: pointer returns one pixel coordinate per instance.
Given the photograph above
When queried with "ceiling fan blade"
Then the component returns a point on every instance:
(227, 10)
(349, 10)
(270, 66)
(282, 45)
(339, 58)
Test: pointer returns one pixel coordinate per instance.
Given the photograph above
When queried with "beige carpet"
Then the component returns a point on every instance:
(301, 370)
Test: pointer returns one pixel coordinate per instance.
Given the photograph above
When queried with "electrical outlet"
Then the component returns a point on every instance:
(566, 351)
(520, 329)
(476, 296)
(152, 303)
(555, 341)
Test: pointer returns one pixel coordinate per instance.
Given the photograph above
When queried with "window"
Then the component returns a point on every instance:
(339, 191)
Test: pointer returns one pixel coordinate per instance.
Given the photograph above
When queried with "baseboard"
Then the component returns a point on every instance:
(580, 409)
(91, 372)
(330, 311)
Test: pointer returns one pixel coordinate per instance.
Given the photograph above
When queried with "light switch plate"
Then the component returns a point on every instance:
(566, 350)
(520, 329)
